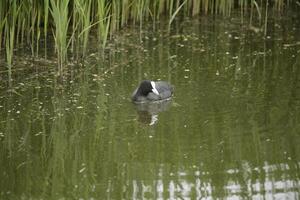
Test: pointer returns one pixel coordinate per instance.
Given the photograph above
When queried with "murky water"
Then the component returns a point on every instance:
(231, 131)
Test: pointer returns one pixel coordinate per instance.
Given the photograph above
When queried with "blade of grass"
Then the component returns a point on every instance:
(175, 13)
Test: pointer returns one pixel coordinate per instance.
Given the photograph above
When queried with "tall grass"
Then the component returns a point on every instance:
(2, 21)
(104, 20)
(173, 15)
(59, 12)
(82, 22)
(23, 21)
(10, 24)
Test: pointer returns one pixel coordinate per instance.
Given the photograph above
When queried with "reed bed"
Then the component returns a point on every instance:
(22, 22)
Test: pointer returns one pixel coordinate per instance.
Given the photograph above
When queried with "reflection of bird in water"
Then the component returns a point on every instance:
(148, 112)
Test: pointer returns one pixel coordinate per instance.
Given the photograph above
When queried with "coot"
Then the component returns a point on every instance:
(150, 91)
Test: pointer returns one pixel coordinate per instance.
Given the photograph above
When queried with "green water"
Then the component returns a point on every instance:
(231, 131)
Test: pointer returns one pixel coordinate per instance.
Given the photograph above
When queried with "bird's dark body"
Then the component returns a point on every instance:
(146, 93)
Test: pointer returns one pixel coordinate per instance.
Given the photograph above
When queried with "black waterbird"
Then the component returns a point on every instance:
(151, 91)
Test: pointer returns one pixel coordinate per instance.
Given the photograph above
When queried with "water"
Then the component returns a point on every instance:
(231, 130)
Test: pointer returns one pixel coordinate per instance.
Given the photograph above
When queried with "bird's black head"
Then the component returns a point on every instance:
(143, 90)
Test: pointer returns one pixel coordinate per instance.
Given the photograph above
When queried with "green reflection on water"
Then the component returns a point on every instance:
(231, 130)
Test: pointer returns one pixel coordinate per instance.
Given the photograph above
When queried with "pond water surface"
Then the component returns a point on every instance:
(231, 131)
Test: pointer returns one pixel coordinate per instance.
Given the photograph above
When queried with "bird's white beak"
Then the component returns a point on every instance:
(154, 90)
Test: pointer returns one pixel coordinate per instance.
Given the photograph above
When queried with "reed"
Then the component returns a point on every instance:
(32, 28)
(38, 28)
(115, 15)
(46, 16)
(104, 21)
(9, 53)
(2, 21)
(266, 17)
(59, 12)
(175, 13)
(10, 24)
(23, 22)
(86, 23)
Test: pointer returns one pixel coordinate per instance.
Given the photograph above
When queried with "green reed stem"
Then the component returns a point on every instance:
(266, 18)
(59, 12)
(104, 21)
(175, 13)
(9, 38)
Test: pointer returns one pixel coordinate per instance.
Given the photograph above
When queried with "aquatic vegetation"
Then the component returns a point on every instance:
(71, 21)
(103, 18)
(82, 22)
(175, 13)
(10, 24)
(59, 12)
